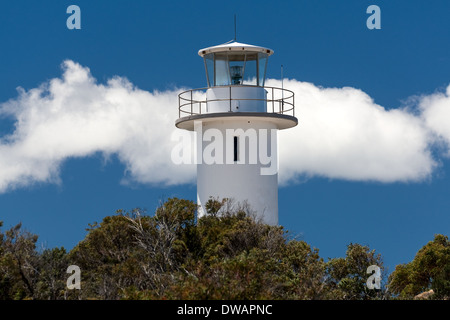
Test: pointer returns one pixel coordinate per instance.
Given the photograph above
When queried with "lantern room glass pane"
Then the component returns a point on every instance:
(262, 64)
(209, 65)
(251, 71)
(236, 62)
(221, 72)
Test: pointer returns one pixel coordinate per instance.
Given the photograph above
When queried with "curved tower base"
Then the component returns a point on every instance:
(247, 171)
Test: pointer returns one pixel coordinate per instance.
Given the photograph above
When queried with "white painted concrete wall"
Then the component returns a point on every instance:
(258, 94)
(241, 181)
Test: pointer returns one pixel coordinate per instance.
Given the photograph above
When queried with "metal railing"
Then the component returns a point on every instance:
(194, 101)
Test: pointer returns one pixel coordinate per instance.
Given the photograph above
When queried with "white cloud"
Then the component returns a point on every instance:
(435, 112)
(342, 133)
(76, 117)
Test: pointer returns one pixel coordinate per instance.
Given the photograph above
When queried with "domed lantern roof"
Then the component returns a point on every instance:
(234, 46)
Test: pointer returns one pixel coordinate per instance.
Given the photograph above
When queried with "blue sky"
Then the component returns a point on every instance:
(325, 44)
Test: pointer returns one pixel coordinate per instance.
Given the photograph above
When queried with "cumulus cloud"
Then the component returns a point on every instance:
(342, 133)
(76, 117)
(435, 112)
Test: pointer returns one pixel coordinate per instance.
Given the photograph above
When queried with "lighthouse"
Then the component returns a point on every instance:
(236, 119)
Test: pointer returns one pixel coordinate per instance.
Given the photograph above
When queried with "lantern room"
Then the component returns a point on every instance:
(236, 74)
(235, 64)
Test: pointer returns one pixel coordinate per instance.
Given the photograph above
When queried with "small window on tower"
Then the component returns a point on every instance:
(235, 148)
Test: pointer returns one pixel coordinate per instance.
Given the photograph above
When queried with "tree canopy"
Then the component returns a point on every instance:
(226, 254)
(430, 270)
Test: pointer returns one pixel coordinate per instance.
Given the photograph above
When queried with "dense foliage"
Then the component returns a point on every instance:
(430, 270)
(227, 254)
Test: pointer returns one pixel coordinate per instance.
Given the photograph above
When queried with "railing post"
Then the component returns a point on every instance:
(273, 102)
(191, 102)
(230, 98)
(293, 106)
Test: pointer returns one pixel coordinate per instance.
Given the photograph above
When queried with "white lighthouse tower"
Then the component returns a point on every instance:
(236, 119)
